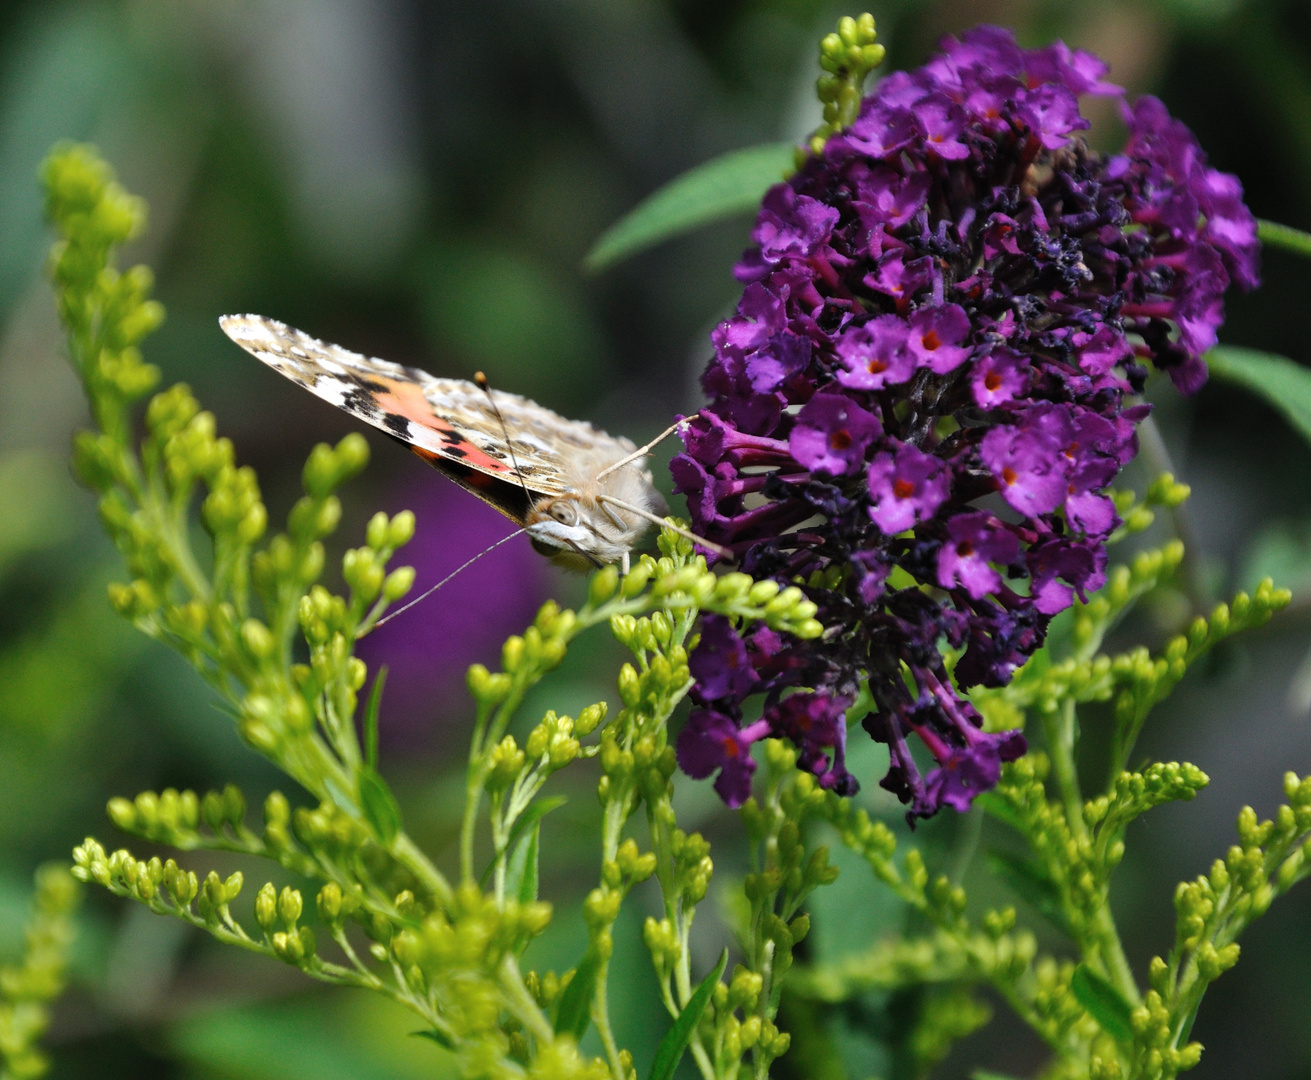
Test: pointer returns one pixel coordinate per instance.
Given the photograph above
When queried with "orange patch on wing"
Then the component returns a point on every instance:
(407, 399)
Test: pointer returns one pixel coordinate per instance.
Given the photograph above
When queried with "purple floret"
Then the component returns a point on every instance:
(929, 382)
(831, 435)
(711, 741)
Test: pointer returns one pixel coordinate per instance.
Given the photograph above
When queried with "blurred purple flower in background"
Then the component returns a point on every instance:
(427, 649)
(926, 390)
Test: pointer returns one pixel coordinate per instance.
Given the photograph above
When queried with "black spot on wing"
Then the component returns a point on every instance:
(364, 402)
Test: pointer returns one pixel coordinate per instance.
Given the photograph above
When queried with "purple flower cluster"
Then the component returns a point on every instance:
(925, 392)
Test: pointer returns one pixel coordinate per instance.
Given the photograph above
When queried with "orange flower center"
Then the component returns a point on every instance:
(840, 439)
(992, 380)
(931, 340)
(903, 489)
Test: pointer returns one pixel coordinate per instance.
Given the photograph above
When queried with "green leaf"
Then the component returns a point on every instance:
(995, 806)
(533, 815)
(1033, 884)
(988, 1074)
(527, 819)
(575, 1010)
(1103, 1002)
(436, 1036)
(379, 806)
(521, 875)
(726, 185)
(371, 718)
(1272, 234)
(670, 1051)
(1283, 383)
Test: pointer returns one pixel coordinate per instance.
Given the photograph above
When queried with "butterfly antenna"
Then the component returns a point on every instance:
(468, 563)
(665, 523)
(481, 380)
(642, 451)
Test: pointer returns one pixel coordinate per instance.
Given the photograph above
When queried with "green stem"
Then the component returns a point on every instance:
(616, 813)
(1111, 950)
(1157, 457)
(520, 1002)
(473, 792)
(1272, 234)
(410, 855)
(1061, 731)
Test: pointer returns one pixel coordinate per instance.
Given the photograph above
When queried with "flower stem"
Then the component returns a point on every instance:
(1157, 456)
(1272, 234)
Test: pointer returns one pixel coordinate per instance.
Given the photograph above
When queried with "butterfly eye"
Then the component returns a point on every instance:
(565, 513)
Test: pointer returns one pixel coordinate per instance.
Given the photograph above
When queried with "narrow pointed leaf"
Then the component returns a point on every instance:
(379, 806)
(371, 718)
(1103, 1002)
(575, 1011)
(436, 1036)
(670, 1051)
(533, 815)
(1033, 885)
(1283, 383)
(521, 874)
(730, 184)
(528, 818)
(997, 807)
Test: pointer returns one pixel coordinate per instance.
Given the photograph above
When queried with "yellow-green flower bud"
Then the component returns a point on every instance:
(357, 673)
(401, 530)
(259, 735)
(507, 761)
(266, 907)
(352, 455)
(561, 750)
(287, 947)
(590, 718)
(376, 533)
(290, 906)
(399, 582)
(603, 585)
(601, 907)
(636, 579)
(123, 814)
(538, 739)
(512, 654)
(328, 903)
(629, 685)
(257, 639)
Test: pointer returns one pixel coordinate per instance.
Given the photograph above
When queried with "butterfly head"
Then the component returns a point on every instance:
(579, 533)
(584, 528)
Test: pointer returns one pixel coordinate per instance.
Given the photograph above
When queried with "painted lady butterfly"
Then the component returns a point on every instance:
(585, 498)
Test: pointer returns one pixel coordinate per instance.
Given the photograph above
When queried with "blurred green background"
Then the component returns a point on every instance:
(421, 181)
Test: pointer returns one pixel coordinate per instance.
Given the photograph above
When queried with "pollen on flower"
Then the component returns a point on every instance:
(947, 315)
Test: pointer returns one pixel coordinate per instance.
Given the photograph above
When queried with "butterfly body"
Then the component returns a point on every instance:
(554, 477)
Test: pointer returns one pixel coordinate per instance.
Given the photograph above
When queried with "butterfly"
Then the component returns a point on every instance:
(584, 498)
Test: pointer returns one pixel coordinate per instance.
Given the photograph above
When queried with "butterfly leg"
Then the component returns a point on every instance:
(623, 564)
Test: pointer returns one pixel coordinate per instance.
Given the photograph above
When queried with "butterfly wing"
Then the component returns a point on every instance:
(448, 422)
